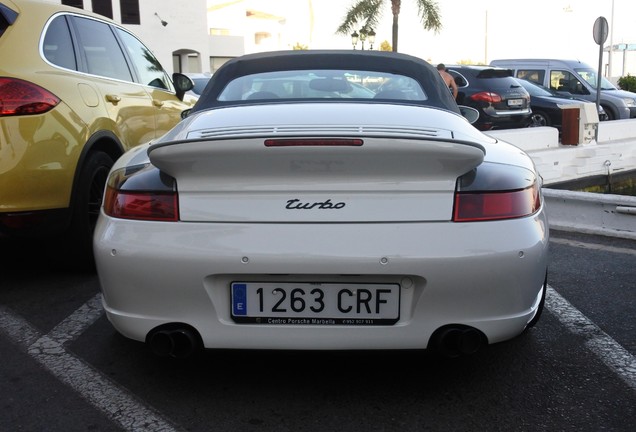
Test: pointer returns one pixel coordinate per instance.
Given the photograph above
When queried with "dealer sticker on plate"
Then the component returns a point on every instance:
(315, 303)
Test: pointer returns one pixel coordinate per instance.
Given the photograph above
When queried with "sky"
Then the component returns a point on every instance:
(479, 31)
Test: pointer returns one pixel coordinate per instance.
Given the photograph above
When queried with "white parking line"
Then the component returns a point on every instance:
(76, 323)
(119, 406)
(600, 343)
(132, 415)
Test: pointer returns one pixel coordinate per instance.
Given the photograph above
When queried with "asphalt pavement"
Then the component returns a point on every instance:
(64, 368)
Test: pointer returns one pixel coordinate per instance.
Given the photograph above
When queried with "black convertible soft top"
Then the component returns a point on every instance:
(382, 61)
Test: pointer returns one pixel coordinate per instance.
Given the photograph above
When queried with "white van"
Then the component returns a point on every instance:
(575, 78)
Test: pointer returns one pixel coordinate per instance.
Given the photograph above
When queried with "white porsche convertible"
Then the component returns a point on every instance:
(323, 200)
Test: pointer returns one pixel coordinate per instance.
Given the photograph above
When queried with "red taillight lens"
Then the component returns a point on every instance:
(489, 97)
(19, 97)
(482, 206)
(157, 206)
(141, 192)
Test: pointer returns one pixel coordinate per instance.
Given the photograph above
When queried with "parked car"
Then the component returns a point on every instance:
(200, 80)
(77, 92)
(574, 78)
(501, 101)
(546, 105)
(322, 221)
(300, 86)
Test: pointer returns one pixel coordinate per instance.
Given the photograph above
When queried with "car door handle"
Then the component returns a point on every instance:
(113, 98)
(157, 103)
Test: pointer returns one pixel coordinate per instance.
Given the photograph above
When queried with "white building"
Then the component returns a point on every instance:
(201, 35)
(623, 60)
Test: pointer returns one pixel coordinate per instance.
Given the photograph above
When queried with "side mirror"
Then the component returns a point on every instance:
(182, 84)
(185, 113)
(470, 114)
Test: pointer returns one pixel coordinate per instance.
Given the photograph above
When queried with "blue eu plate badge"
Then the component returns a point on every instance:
(239, 299)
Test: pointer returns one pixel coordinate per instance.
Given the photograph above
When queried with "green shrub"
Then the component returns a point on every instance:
(627, 83)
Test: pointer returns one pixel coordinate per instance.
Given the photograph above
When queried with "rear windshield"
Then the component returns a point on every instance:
(331, 84)
(494, 73)
(535, 90)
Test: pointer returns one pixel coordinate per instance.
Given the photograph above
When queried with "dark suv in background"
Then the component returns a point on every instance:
(501, 100)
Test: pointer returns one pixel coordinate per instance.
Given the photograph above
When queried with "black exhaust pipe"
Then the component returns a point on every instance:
(179, 342)
(457, 340)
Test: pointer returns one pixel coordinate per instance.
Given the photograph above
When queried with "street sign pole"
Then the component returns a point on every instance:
(600, 32)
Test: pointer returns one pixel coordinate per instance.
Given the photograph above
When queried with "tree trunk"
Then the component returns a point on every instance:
(395, 33)
(395, 9)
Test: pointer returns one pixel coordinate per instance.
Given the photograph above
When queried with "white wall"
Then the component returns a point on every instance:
(186, 31)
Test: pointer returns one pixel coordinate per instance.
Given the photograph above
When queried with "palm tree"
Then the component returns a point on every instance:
(370, 11)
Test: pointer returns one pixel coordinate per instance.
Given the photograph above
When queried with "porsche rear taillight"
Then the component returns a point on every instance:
(141, 193)
(141, 205)
(482, 206)
(495, 192)
(19, 97)
(486, 96)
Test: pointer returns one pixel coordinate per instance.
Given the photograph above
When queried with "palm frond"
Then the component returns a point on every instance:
(428, 11)
(367, 12)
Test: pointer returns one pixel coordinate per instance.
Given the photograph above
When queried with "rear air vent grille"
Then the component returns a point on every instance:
(259, 131)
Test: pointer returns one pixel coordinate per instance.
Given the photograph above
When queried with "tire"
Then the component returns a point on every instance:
(86, 207)
(537, 316)
(610, 114)
(539, 118)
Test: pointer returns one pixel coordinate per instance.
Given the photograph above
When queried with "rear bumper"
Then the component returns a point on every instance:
(484, 275)
(38, 158)
(507, 121)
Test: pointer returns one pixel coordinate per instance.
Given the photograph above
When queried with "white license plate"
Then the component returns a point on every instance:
(515, 102)
(315, 303)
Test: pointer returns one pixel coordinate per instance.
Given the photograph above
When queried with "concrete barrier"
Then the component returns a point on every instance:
(592, 213)
(614, 153)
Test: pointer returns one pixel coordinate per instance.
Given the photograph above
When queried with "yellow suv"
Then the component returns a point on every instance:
(76, 91)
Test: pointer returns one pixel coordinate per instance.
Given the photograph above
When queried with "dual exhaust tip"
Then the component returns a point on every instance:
(182, 341)
(178, 341)
(457, 340)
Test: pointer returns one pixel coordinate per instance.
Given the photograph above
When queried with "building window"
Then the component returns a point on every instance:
(261, 37)
(103, 7)
(219, 32)
(129, 11)
(74, 3)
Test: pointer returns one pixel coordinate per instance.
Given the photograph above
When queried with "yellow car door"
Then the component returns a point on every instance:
(130, 110)
(159, 87)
